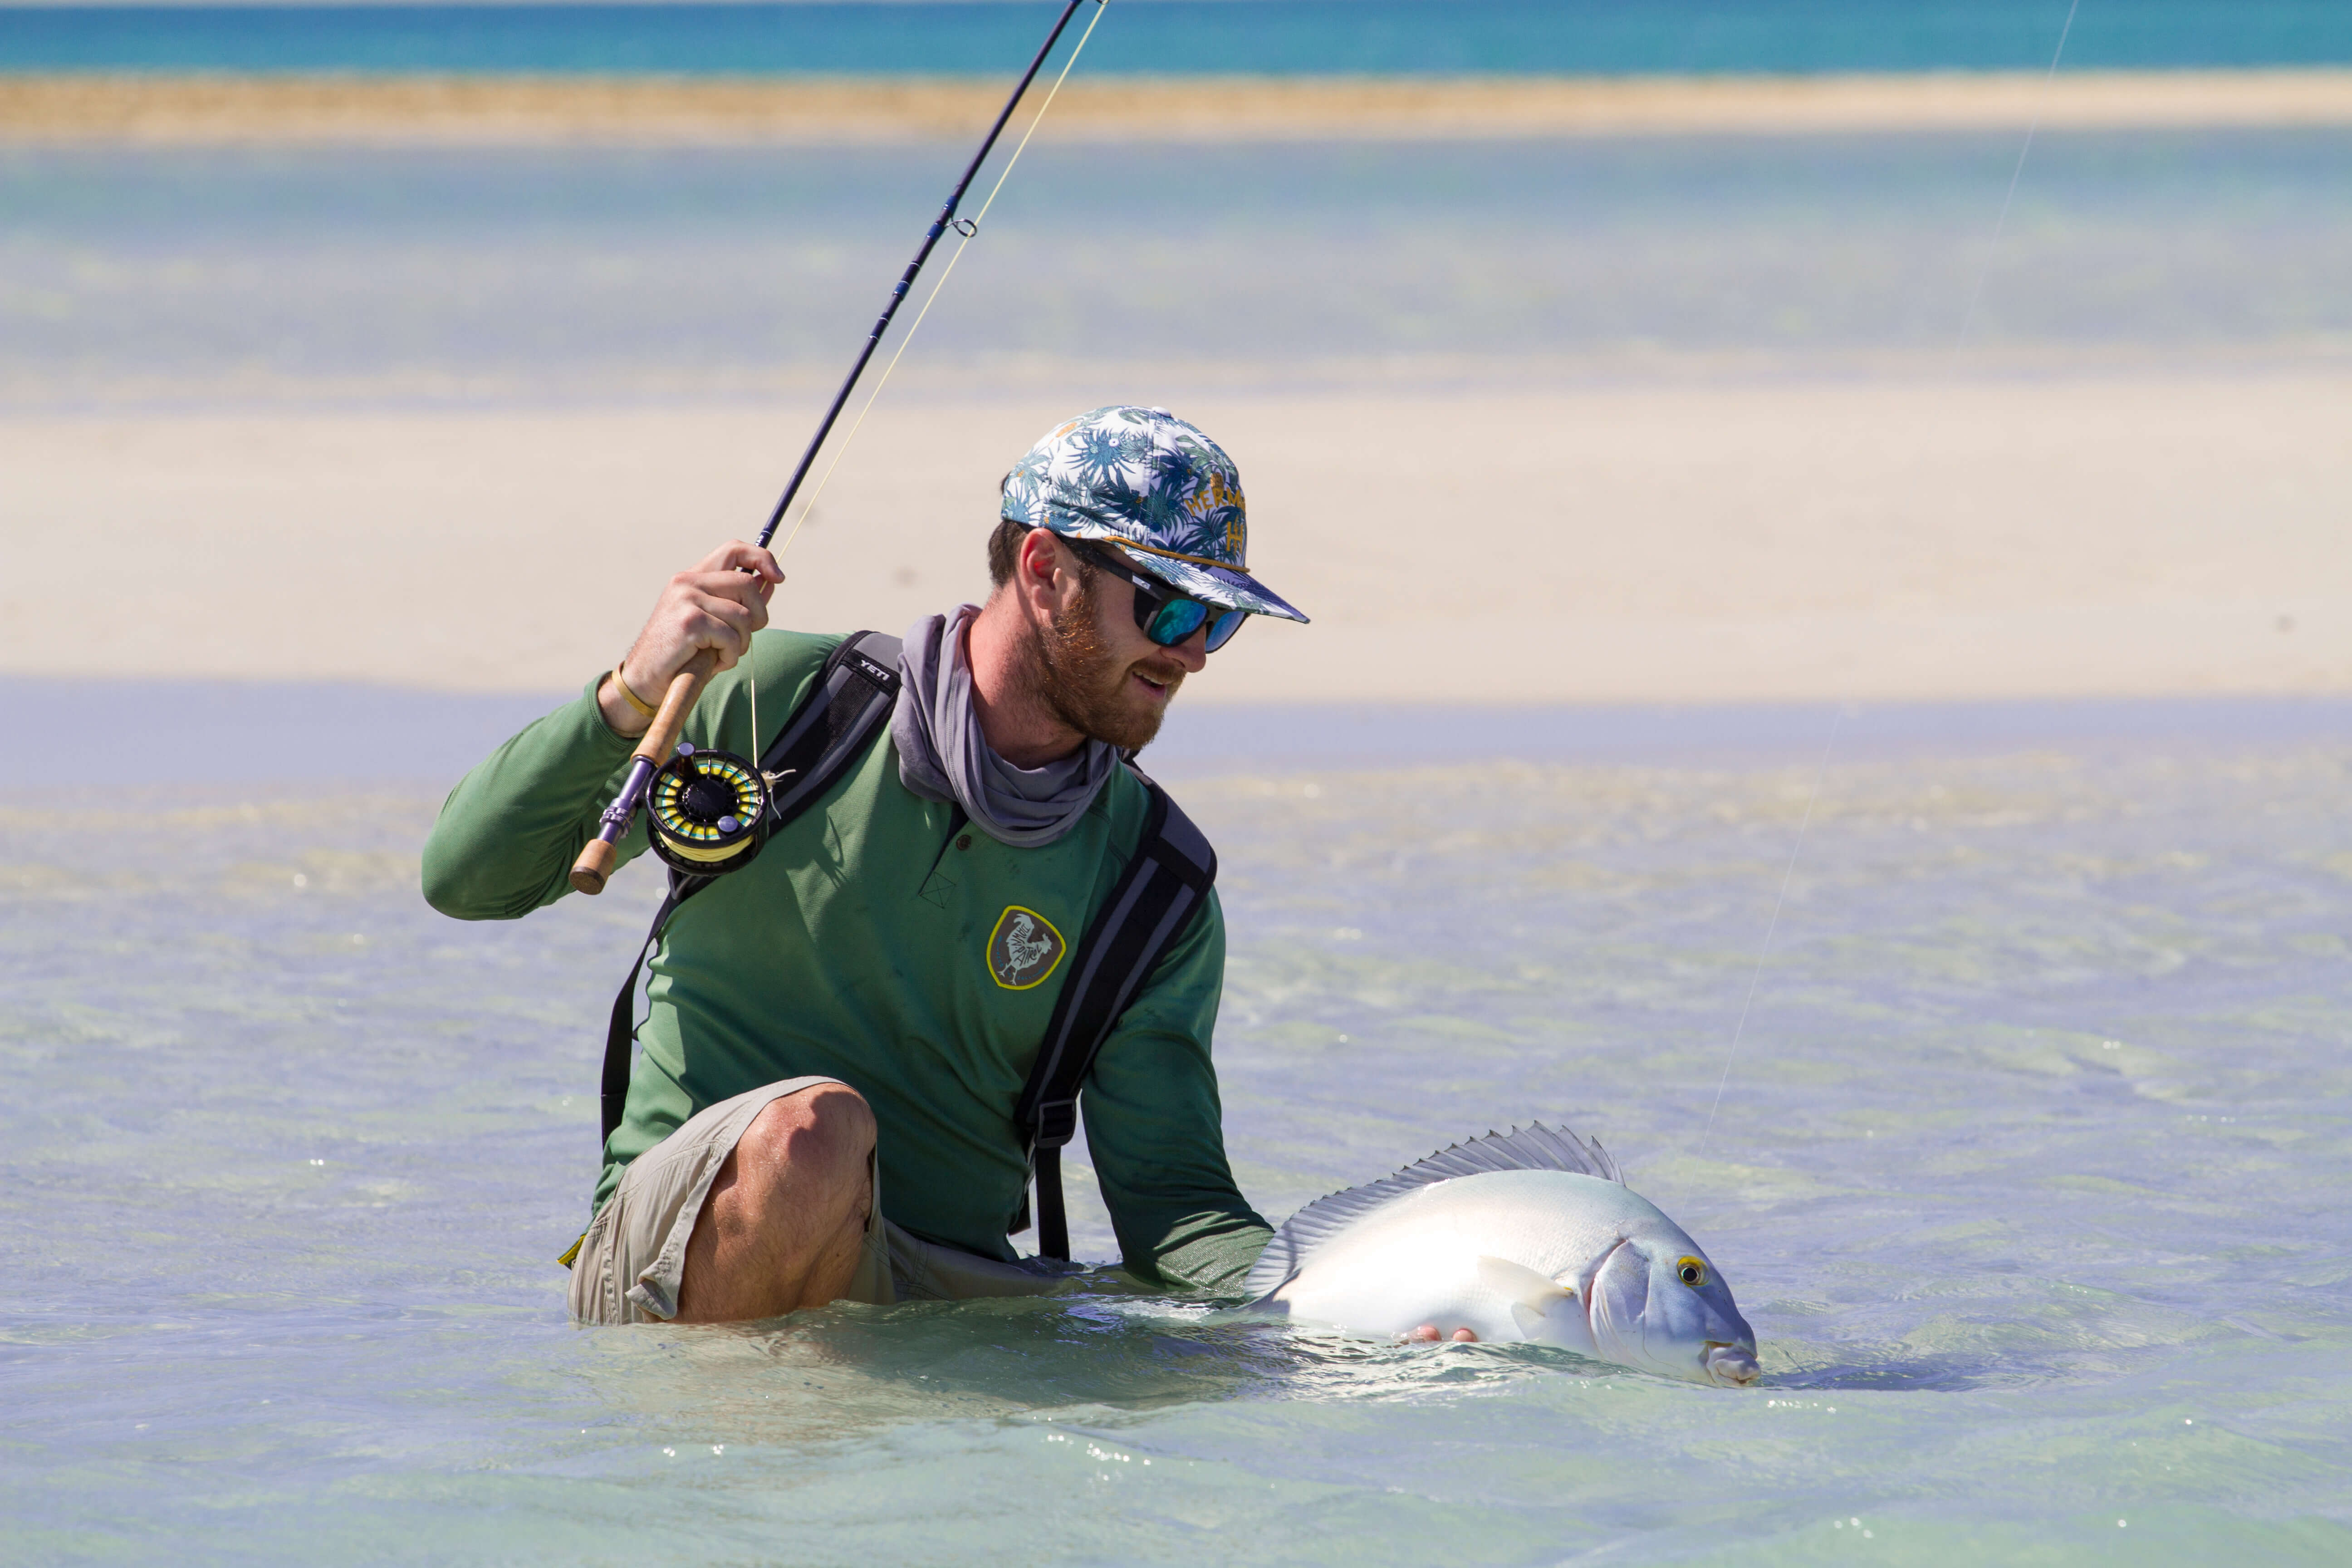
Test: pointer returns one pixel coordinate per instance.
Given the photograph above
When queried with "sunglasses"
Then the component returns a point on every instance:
(1162, 614)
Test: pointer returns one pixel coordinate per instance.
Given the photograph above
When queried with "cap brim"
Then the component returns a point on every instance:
(1235, 590)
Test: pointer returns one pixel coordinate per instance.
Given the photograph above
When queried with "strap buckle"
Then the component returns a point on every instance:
(1058, 1123)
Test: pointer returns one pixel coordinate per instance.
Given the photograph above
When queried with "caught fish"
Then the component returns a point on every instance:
(1528, 1236)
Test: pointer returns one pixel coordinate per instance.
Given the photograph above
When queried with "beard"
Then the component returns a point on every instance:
(1084, 685)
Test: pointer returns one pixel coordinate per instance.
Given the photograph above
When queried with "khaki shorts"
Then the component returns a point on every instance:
(629, 1265)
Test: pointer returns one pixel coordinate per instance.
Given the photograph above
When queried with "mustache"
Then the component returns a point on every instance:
(1170, 675)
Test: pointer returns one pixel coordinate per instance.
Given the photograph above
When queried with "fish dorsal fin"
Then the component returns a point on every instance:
(1533, 1148)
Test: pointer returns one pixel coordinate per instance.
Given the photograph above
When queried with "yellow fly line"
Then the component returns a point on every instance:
(969, 230)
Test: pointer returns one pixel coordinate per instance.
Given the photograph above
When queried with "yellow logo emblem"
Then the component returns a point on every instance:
(1023, 949)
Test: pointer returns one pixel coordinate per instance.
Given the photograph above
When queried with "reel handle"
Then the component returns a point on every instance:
(598, 856)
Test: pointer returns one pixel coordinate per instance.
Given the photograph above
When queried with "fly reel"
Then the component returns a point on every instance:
(708, 810)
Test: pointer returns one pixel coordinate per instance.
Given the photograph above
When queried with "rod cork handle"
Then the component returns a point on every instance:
(594, 866)
(593, 869)
(678, 704)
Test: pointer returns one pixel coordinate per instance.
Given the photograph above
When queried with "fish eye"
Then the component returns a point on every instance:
(1691, 1272)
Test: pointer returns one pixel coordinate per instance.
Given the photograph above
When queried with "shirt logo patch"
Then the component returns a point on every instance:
(1023, 949)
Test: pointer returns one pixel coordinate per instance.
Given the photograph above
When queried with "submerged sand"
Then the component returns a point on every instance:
(200, 109)
(1888, 539)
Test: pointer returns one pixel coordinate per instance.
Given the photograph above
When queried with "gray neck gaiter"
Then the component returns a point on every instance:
(943, 756)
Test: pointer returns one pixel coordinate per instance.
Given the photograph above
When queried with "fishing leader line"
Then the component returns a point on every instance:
(1788, 875)
(711, 809)
(1968, 320)
(969, 228)
(2000, 225)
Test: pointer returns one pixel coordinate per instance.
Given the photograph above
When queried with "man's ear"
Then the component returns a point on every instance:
(1041, 562)
(1038, 557)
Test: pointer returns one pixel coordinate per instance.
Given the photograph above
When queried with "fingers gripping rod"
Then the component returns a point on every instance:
(594, 866)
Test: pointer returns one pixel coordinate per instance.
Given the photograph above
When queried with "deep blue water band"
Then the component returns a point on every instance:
(1283, 38)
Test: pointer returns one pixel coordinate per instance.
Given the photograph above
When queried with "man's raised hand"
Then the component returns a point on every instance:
(716, 604)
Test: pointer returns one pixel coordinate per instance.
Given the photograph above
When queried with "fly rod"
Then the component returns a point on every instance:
(594, 866)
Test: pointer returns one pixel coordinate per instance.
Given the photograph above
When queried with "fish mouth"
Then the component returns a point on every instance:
(1730, 1365)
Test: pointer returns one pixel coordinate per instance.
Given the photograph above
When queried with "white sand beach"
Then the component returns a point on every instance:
(820, 110)
(2159, 534)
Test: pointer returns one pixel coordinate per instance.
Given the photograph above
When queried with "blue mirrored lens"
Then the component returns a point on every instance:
(1222, 629)
(1176, 620)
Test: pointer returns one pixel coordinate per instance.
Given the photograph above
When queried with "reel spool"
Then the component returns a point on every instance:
(707, 811)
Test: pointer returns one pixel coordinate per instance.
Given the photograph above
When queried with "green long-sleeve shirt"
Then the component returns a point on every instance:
(856, 945)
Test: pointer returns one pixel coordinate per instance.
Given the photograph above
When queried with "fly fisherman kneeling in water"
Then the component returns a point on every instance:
(826, 1103)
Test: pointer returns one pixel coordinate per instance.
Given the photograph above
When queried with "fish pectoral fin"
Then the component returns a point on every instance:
(1529, 1321)
(1522, 1285)
(1533, 1297)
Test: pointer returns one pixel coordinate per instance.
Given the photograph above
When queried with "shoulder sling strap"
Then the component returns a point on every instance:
(823, 739)
(1157, 896)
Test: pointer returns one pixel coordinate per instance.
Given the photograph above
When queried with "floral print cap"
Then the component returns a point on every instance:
(1145, 479)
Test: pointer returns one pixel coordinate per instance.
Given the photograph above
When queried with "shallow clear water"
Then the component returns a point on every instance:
(603, 273)
(2030, 1170)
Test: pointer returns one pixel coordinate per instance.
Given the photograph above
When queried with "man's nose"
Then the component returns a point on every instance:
(1192, 653)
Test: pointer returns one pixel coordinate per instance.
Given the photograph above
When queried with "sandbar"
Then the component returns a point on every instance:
(173, 108)
(2123, 535)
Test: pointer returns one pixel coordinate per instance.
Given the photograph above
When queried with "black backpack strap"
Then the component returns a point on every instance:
(826, 734)
(621, 1030)
(1163, 888)
(823, 739)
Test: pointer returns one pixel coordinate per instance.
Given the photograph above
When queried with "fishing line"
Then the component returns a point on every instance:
(969, 230)
(969, 234)
(1976, 297)
(2041, 103)
(710, 809)
(1786, 876)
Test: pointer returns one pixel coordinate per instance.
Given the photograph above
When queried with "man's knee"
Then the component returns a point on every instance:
(826, 1129)
(789, 1198)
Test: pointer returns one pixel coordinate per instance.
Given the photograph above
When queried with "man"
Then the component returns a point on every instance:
(838, 1034)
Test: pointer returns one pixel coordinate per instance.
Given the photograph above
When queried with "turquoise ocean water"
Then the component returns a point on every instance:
(629, 272)
(301, 276)
(1184, 37)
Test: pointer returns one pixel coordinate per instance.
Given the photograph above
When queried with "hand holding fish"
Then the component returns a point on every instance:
(714, 606)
